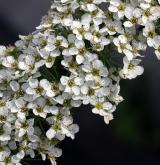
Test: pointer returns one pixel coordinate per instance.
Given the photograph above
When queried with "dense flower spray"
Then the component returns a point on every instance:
(78, 55)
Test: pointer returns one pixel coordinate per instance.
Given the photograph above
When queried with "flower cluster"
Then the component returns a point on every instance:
(78, 55)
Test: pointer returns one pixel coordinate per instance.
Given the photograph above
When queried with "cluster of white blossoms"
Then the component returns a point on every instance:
(78, 55)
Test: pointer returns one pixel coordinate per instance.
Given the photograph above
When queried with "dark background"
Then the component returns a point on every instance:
(133, 137)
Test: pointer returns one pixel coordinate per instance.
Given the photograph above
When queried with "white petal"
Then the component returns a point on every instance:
(107, 105)
(76, 90)
(139, 70)
(50, 133)
(73, 51)
(54, 110)
(79, 59)
(30, 91)
(79, 44)
(84, 89)
(50, 93)
(64, 80)
(14, 85)
(45, 84)
(79, 81)
(128, 24)
(107, 118)
(86, 19)
(33, 83)
(21, 132)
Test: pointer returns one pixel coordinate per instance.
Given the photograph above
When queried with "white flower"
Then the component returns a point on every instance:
(101, 87)
(99, 38)
(94, 70)
(36, 88)
(149, 32)
(62, 124)
(88, 93)
(156, 45)
(131, 69)
(26, 62)
(9, 62)
(49, 57)
(55, 43)
(117, 6)
(123, 46)
(133, 15)
(39, 107)
(4, 153)
(18, 106)
(108, 117)
(72, 85)
(24, 127)
(5, 131)
(26, 149)
(52, 89)
(2, 52)
(70, 131)
(79, 29)
(96, 14)
(114, 27)
(102, 108)
(150, 13)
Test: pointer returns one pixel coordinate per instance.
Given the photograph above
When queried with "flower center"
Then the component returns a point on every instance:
(99, 105)
(95, 72)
